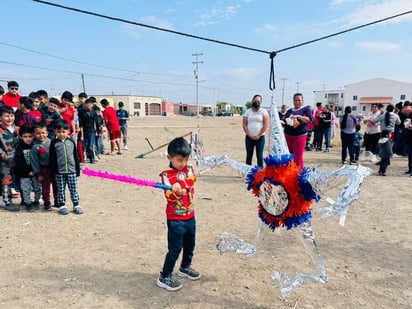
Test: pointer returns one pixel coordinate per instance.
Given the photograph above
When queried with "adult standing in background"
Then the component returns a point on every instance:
(316, 129)
(12, 97)
(372, 130)
(255, 123)
(388, 120)
(297, 119)
(325, 122)
(123, 116)
(282, 114)
(347, 134)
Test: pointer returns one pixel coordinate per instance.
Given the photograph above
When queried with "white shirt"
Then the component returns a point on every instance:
(255, 120)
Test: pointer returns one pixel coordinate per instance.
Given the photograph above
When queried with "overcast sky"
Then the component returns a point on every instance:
(45, 47)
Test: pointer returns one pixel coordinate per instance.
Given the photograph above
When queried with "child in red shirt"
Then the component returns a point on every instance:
(180, 215)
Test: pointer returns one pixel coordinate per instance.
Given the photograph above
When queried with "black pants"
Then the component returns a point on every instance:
(259, 145)
(371, 142)
(181, 234)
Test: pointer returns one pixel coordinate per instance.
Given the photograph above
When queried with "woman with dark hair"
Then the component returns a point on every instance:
(296, 129)
(255, 123)
(373, 130)
(388, 120)
(347, 134)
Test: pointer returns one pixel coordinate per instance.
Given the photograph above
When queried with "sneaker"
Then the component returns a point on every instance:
(12, 207)
(125, 147)
(78, 210)
(63, 210)
(47, 205)
(326, 150)
(36, 205)
(353, 161)
(109, 153)
(119, 152)
(188, 272)
(408, 172)
(383, 174)
(30, 208)
(343, 162)
(14, 193)
(168, 283)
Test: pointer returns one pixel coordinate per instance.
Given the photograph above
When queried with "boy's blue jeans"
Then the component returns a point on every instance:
(180, 234)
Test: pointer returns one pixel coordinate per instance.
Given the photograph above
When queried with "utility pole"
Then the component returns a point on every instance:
(84, 88)
(196, 72)
(283, 89)
(297, 86)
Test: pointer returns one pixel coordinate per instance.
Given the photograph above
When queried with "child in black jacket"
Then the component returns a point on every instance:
(23, 169)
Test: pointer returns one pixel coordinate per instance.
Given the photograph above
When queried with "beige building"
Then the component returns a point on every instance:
(136, 105)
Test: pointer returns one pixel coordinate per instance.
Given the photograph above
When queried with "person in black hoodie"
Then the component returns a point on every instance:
(23, 169)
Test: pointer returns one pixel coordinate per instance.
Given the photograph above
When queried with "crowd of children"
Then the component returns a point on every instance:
(43, 143)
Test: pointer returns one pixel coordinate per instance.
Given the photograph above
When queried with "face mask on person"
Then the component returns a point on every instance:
(256, 104)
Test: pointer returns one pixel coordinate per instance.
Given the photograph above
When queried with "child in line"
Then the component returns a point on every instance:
(23, 169)
(357, 142)
(385, 151)
(99, 149)
(35, 112)
(8, 138)
(51, 115)
(180, 215)
(40, 164)
(23, 113)
(65, 167)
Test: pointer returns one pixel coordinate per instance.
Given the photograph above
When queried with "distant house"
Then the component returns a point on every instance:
(362, 95)
(136, 105)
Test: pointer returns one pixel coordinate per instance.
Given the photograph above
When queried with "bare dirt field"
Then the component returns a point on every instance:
(110, 256)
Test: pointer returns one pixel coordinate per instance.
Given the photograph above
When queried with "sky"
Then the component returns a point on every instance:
(45, 47)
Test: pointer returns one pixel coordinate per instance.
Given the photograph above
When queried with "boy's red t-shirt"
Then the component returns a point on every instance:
(110, 117)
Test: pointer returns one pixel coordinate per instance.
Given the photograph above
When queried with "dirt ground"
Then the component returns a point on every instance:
(110, 256)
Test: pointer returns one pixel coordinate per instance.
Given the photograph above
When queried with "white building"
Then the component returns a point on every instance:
(362, 95)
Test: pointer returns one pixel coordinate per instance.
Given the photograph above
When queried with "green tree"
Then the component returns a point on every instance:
(221, 106)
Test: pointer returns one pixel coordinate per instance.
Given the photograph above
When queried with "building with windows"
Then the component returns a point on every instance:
(362, 95)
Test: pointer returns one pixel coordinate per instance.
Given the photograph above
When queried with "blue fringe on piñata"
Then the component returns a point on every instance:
(283, 171)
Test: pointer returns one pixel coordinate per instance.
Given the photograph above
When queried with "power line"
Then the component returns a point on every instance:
(86, 63)
(94, 75)
(271, 53)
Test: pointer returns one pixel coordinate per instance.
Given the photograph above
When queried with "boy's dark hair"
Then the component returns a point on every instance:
(25, 129)
(93, 99)
(1, 90)
(67, 95)
(6, 110)
(82, 95)
(89, 100)
(357, 128)
(61, 124)
(380, 105)
(179, 146)
(318, 104)
(121, 104)
(39, 125)
(54, 101)
(104, 102)
(406, 103)
(34, 95)
(27, 102)
(12, 83)
(42, 93)
(96, 108)
(385, 133)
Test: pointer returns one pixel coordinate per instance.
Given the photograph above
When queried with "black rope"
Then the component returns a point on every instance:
(271, 54)
(152, 27)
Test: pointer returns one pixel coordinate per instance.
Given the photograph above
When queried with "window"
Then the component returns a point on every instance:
(136, 105)
(363, 108)
(326, 95)
(355, 98)
(403, 97)
(353, 108)
(341, 95)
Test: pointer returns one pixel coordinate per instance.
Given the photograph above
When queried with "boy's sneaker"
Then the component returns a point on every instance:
(63, 210)
(30, 207)
(47, 205)
(168, 283)
(125, 147)
(12, 207)
(189, 273)
(78, 210)
(36, 205)
(14, 193)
